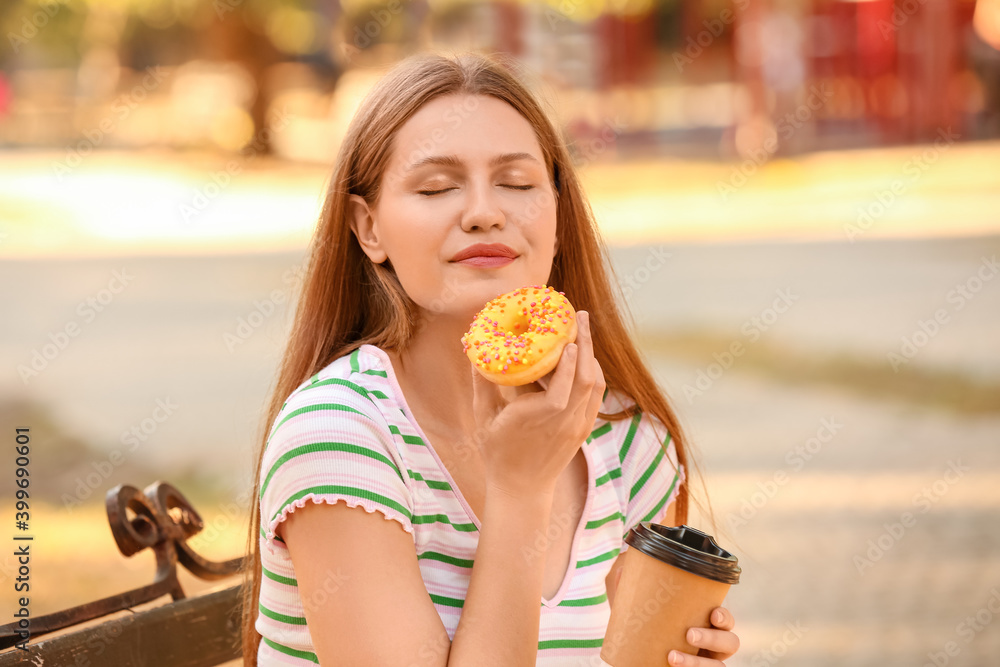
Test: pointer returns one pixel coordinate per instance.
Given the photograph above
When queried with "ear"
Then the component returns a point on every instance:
(364, 228)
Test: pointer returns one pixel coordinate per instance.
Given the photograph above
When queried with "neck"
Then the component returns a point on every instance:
(435, 375)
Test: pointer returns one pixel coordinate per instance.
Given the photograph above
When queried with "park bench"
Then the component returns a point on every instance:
(202, 631)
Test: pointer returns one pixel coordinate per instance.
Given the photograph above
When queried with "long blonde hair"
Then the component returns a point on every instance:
(347, 300)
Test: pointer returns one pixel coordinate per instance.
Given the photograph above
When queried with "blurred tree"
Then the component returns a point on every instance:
(238, 33)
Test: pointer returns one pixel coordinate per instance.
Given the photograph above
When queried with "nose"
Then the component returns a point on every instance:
(482, 211)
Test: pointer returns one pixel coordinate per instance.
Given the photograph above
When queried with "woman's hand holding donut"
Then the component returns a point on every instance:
(529, 441)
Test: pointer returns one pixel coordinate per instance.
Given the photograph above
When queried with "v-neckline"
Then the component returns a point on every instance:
(581, 525)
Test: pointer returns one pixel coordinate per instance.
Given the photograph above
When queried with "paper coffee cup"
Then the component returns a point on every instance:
(672, 579)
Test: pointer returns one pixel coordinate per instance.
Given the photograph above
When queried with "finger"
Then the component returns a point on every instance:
(585, 360)
(719, 643)
(561, 383)
(486, 398)
(584, 337)
(544, 381)
(722, 619)
(596, 394)
(678, 659)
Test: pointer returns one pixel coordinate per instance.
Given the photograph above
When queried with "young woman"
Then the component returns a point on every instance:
(411, 512)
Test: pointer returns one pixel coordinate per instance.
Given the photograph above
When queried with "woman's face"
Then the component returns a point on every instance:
(464, 170)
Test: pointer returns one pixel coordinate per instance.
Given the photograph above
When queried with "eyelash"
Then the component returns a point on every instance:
(428, 193)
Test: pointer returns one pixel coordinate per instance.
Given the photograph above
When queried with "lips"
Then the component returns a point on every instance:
(485, 250)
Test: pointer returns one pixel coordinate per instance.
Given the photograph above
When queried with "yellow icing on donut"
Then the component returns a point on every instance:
(518, 337)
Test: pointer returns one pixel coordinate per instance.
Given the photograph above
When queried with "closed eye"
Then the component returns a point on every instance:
(429, 193)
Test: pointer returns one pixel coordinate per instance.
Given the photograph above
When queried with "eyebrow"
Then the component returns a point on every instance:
(452, 161)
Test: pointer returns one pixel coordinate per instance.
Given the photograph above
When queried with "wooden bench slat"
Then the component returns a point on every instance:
(203, 631)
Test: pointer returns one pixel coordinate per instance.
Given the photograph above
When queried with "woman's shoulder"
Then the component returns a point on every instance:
(358, 373)
(629, 427)
(353, 385)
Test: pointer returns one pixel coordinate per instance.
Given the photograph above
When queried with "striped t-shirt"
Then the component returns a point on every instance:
(347, 434)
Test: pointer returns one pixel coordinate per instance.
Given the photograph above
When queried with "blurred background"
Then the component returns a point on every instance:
(802, 206)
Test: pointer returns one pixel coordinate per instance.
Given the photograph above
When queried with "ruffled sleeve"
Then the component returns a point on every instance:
(330, 443)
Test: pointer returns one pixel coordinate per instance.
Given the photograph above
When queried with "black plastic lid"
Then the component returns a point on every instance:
(686, 548)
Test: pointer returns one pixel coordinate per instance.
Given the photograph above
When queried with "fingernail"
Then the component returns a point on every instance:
(675, 658)
(694, 636)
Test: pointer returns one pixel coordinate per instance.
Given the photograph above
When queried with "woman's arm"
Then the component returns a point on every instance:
(364, 598)
(500, 620)
(379, 612)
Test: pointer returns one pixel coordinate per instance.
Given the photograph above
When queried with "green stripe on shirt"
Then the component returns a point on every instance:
(570, 643)
(597, 523)
(287, 650)
(288, 581)
(290, 620)
(367, 393)
(585, 602)
(432, 483)
(443, 518)
(446, 601)
(346, 491)
(633, 427)
(598, 432)
(408, 439)
(326, 447)
(641, 482)
(659, 505)
(336, 407)
(608, 476)
(445, 558)
(607, 555)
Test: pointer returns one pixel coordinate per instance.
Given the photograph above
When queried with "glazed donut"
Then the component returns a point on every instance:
(517, 338)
